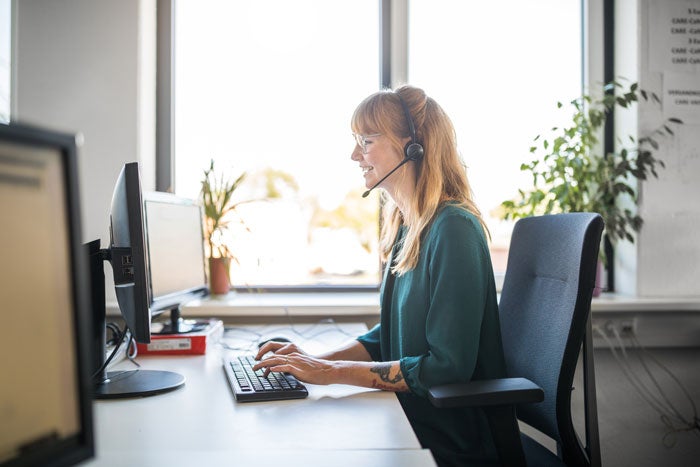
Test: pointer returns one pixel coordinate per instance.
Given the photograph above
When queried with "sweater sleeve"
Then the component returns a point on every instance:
(370, 340)
(459, 266)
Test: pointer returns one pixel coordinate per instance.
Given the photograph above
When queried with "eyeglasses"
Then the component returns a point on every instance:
(361, 140)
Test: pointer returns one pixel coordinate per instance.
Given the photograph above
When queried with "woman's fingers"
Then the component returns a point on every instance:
(303, 367)
(275, 362)
(277, 348)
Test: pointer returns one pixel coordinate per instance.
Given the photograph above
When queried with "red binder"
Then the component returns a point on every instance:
(192, 343)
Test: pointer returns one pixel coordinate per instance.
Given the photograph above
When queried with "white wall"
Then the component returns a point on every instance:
(665, 260)
(88, 67)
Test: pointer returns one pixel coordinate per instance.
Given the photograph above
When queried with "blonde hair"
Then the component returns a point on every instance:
(440, 177)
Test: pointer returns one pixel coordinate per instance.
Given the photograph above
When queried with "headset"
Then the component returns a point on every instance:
(413, 151)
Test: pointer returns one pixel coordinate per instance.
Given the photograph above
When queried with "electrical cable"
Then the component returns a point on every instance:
(335, 329)
(669, 414)
(686, 425)
(653, 379)
(116, 333)
(643, 391)
(663, 367)
(304, 335)
(664, 410)
(251, 342)
(119, 338)
(132, 350)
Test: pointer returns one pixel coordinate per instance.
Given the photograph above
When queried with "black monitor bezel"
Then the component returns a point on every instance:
(139, 322)
(81, 446)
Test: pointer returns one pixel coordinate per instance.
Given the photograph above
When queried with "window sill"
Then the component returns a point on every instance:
(626, 303)
(367, 304)
(283, 304)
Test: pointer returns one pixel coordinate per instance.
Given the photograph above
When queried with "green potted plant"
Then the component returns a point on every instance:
(571, 173)
(217, 201)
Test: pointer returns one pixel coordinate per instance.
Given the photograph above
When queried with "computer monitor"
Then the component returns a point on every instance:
(45, 345)
(127, 255)
(176, 259)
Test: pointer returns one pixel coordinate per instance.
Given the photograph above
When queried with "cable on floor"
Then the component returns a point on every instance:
(654, 394)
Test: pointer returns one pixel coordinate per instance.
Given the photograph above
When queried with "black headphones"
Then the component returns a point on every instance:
(413, 150)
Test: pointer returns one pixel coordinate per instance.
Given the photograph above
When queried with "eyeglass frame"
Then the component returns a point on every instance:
(361, 140)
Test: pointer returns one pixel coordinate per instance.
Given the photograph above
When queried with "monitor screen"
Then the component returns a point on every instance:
(175, 244)
(44, 351)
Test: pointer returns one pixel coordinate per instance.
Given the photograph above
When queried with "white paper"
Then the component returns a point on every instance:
(682, 96)
(674, 36)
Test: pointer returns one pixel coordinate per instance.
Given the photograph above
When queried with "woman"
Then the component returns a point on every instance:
(439, 315)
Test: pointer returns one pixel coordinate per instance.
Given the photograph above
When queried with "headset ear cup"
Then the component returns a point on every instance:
(413, 151)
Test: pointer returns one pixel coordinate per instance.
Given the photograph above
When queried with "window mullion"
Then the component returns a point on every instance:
(393, 47)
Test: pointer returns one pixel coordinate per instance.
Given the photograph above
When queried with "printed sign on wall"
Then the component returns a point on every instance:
(674, 36)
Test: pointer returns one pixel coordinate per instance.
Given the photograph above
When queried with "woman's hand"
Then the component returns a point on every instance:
(356, 369)
(304, 367)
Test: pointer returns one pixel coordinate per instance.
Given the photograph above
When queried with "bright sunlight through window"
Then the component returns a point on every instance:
(498, 69)
(268, 88)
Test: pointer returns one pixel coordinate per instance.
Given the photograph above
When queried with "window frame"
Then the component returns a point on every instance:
(7, 12)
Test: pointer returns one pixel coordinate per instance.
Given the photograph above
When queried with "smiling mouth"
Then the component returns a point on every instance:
(366, 170)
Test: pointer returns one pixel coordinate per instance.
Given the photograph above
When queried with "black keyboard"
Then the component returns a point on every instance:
(252, 386)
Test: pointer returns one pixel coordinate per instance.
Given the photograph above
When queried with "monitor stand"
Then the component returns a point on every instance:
(117, 384)
(178, 325)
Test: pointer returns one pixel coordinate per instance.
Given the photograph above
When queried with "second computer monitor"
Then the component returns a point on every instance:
(176, 259)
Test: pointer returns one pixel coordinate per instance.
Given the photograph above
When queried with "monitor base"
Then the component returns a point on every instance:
(137, 383)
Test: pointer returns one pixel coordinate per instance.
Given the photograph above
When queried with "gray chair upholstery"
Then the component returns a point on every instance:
(544, 312)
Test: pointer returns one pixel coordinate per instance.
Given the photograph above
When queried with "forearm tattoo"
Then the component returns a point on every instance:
(383, 370)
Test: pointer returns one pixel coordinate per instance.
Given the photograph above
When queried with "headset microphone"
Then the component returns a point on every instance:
(413, 150)
(366, 193)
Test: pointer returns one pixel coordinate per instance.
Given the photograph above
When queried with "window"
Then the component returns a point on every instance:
(269, 87)
(498, 69)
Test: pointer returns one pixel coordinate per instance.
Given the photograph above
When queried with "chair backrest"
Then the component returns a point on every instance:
(544, 307)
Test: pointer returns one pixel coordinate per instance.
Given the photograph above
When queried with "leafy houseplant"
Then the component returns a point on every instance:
(216, 197)
(571, 172)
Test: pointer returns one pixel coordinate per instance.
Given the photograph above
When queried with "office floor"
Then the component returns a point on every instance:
(631, 430)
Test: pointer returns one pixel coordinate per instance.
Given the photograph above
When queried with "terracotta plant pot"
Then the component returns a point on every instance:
(219, 279)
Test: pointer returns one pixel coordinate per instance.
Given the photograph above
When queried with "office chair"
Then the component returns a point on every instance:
(544, 312)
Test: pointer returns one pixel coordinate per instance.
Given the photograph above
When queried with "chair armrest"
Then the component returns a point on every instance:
(488, 392)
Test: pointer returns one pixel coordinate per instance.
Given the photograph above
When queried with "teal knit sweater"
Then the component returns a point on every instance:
(440, 320)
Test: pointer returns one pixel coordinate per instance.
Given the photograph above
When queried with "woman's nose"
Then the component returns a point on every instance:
(356, 154)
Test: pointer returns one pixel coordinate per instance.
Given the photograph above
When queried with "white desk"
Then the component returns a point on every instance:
(201, 424)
